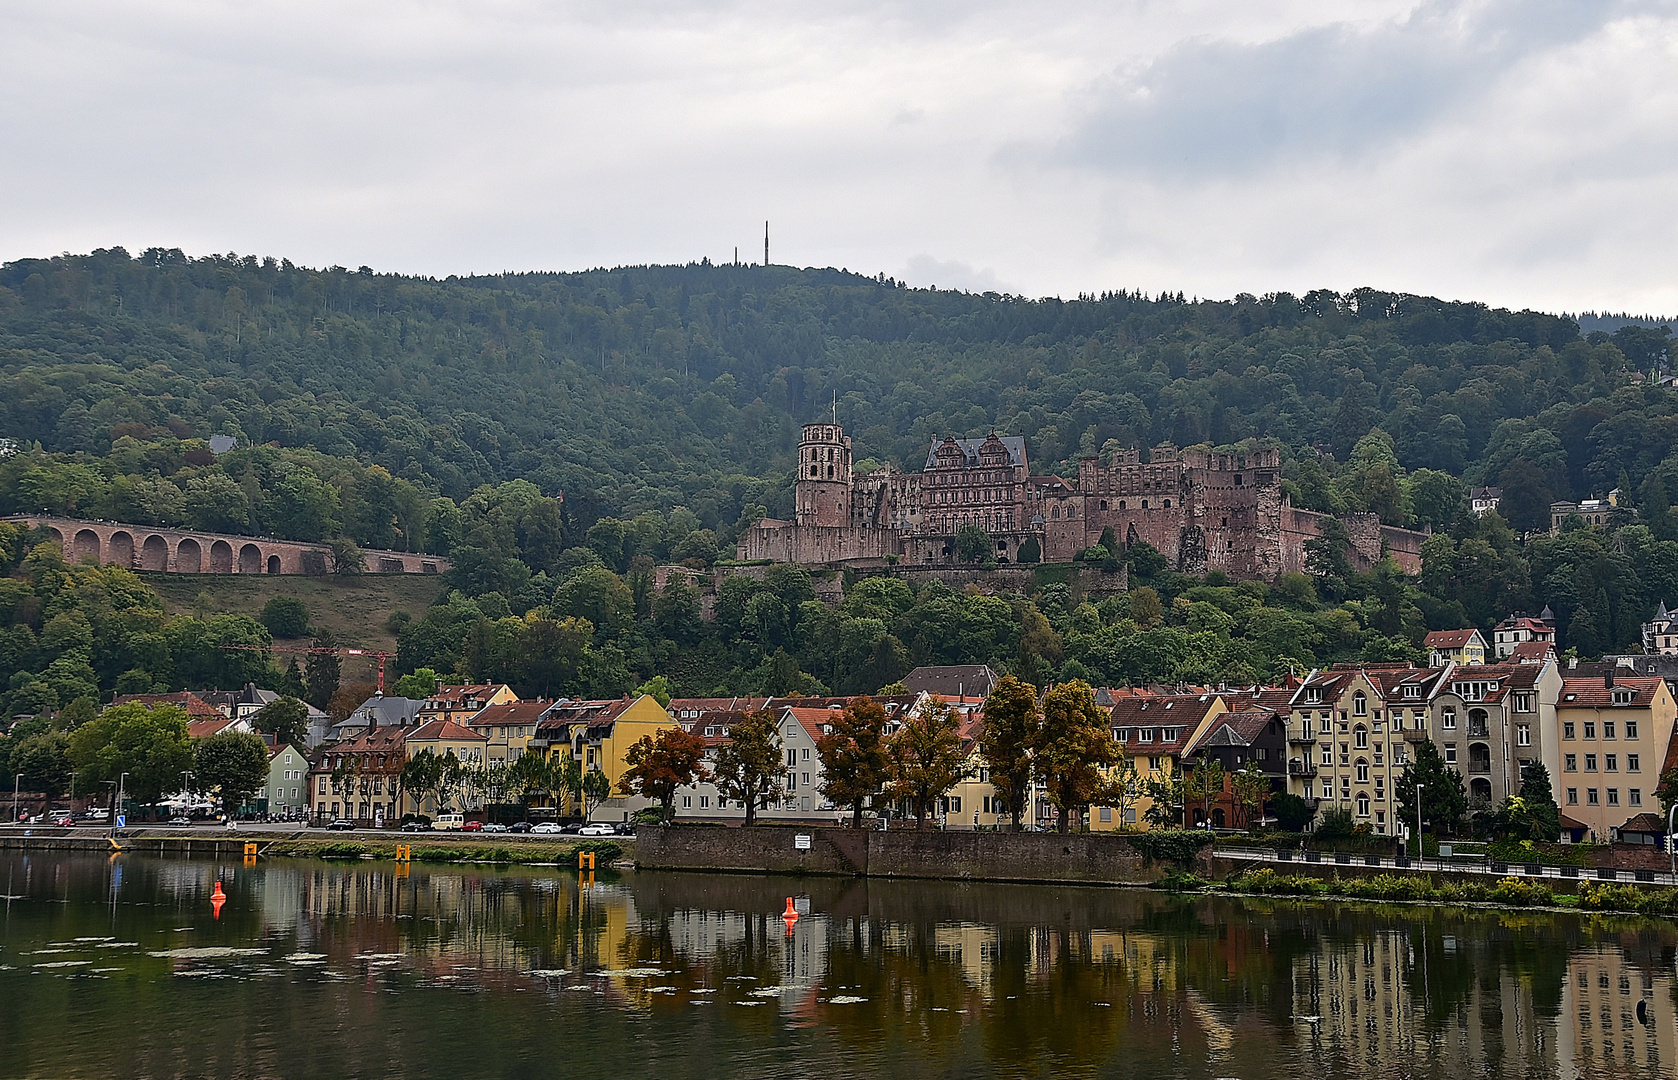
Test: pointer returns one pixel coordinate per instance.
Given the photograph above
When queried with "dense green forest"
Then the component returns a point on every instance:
(558, 435)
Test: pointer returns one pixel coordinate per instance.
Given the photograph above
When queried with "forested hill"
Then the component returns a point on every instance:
(644, 388)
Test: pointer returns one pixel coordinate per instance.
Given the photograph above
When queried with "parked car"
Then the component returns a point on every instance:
(548, 828)
(625, 828)
(58, 817)
(341, 825)
(598, 828)
(494, 826)
(449, 822)
(571, 828)
(519, 826)
(415, 826)
(471, 826)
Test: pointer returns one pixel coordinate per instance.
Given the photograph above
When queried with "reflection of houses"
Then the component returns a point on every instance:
(1598, 1030)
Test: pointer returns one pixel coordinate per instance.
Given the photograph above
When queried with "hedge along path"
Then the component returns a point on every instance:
(605, 852)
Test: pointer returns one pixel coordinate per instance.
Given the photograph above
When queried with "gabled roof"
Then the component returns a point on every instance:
(1451, 639)
(1233, 729)
(454, 697)
(385, 711)
(374, 740)
(1014, 444)
(1597, 694)
(562, 716)
(811, 720)
(973, 680)
(1644, 823)
(696, 707)
(438, 730)
(1532, 652)
(203, 729)
(1180, 713)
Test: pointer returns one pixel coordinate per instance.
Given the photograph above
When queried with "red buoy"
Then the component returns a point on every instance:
(791, 913)
(217, 899)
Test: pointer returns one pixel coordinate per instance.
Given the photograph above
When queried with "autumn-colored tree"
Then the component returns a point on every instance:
(1072, 750)
(1010, 728)
(748, 765)
(347, 699)
(856, 764)
(659, 764)
(927, 759)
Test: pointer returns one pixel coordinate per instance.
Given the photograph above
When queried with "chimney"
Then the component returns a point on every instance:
(1608, 677)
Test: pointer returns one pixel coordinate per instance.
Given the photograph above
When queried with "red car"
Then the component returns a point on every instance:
(471, 826)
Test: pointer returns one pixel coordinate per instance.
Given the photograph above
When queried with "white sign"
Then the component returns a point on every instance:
(801, 841)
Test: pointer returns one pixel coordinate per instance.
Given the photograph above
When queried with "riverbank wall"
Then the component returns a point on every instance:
(1085, 858)
(177, 844)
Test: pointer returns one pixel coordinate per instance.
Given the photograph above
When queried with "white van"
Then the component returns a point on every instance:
(449, 822)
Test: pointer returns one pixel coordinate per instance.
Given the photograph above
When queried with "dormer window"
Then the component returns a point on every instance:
(1412, 691)
(1313, 695)
(1624, 697)
(1360, 704)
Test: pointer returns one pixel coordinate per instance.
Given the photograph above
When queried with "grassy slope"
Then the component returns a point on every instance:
(354, 610)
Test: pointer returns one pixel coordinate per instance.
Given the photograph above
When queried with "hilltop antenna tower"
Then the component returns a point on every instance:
(766, 243)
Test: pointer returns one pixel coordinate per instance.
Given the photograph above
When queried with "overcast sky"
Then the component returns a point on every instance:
(1523, 153)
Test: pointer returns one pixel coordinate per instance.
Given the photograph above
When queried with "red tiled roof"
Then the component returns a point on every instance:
(1532, 652)
(590, 713)
(513, 712)
(186, 699)
(1596, 694)
(811, 720)
(203, 729)
(1449, 639)
(444, 729)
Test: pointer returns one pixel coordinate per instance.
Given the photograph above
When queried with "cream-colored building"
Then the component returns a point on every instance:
(1611, 741)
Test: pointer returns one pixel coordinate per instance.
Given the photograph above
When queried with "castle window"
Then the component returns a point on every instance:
(1144, 504)
(815, 470)
(1168, 504)
(1237, 479)
(830, 472)
(1121, 504)
(1104, 504)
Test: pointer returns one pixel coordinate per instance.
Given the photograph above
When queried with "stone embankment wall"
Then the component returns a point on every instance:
(1093, 858)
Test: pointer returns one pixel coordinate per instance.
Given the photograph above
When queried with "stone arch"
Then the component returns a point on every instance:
(86, 545)
(58, 538)
(250, 559)
(120, 551)
(154, 553)
(1480, 789)
(189, 557)
(273, 564)
(221, 557)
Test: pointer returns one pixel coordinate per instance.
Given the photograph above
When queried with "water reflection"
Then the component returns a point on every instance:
(368, 969)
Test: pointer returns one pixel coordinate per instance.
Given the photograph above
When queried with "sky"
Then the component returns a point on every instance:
(1519, 152)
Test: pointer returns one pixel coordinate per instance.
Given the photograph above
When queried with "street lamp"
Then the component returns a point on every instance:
(17, 782)
(1419, 787)
(122, 791)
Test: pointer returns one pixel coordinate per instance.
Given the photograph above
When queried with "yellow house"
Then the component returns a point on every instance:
(509, 727)
(1460, 647)
(1153, 731)
(598, 735)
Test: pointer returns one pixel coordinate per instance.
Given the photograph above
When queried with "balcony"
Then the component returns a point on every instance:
(1477, 731)
(1301, 738)
(1415, 735)
(1304, 768)
(1479, 765)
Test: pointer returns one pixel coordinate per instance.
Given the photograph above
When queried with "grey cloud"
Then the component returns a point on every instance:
(1209, 108)
(926, 270)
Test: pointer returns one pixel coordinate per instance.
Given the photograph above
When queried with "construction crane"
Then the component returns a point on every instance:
(322, 650)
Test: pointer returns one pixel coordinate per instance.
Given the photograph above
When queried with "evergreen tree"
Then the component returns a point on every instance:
(1444, 798)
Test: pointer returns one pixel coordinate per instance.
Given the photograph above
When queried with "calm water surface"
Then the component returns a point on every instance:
(117, 967)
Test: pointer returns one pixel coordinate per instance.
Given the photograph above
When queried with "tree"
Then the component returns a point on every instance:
(660, 764)
(149, 744)
(286, 718)
(1005, 741)
(1292, 812)
(44, 761)
(1204, 783)
(855, 756)
(1071, 750)
(234, 764)
(320, 673)
(1444, 799)
(347, 699)
(1251, 788)
(421, 775)
(286, 617)
(528, 774)
(927, 759)
(748, 765)
(593, 790)
(1165, 793)
(658, 687)
(419, 685)
(973, 544)
(1532, 814)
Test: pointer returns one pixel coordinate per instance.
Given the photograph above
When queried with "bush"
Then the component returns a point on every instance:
(1180, 881)
(286, 617)
(1336, 825)
(1170, 845)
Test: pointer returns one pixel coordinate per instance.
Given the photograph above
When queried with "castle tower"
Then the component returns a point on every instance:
(823, 490)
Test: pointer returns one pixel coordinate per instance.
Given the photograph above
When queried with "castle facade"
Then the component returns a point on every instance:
(1202, 510)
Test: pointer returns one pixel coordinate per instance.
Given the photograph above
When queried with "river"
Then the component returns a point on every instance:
(119, 967)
